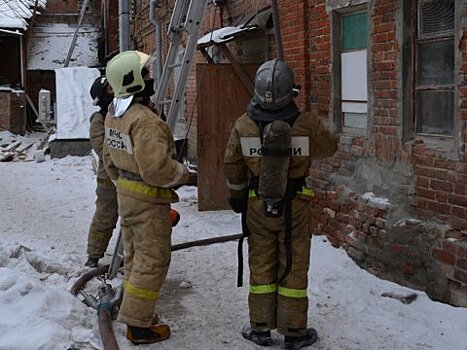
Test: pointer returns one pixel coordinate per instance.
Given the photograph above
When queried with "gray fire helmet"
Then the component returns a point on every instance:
(274, 84)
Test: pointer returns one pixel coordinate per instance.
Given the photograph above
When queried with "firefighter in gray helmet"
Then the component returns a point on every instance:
(139, 154)
(106, 213)
(266, 162)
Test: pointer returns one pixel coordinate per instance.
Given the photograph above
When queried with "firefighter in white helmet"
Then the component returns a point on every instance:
(139, 154)
(266, 162)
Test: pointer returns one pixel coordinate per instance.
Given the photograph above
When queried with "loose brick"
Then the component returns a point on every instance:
(444, 257)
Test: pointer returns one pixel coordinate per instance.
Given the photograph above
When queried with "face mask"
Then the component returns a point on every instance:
(104, 103)
(148, 89)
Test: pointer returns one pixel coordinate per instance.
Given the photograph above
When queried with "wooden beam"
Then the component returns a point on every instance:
(238, 69)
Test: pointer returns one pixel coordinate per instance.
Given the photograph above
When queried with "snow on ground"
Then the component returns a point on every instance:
(45, 210)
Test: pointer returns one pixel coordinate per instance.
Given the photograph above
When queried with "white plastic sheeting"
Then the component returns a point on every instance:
(74, 103)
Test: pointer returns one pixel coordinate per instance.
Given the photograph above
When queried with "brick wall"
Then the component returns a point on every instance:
(112, 29)
(419, 237)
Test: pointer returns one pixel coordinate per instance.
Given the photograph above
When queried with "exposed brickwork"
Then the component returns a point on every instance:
(438, 192)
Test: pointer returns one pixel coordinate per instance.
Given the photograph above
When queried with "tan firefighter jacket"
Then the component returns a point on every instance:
(97, 136)
(243, 154)
(139, 154)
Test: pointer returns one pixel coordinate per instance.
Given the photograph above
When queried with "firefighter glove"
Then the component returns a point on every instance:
(238, 205)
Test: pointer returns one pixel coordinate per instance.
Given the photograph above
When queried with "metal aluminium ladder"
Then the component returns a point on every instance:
(186, 19)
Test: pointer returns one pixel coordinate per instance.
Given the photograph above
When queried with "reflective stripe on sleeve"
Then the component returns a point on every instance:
(139, 292)
(263, 289)
(291, 293)
(142, 188)
(307, 192)
(236, 187)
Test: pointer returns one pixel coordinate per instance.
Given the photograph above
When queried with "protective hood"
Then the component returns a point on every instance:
(119, 106)
(286, 113)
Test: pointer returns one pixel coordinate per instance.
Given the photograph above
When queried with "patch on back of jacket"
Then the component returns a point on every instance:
(118, 140)
(251, 146)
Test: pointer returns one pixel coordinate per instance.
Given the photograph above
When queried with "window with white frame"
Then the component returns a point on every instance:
(354, 72)
(434, 67)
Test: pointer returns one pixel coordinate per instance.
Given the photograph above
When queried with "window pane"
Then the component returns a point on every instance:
(355, 31)
(436, 63)
(355, 120)
(436, 18)
(435, 110)
(354, 76)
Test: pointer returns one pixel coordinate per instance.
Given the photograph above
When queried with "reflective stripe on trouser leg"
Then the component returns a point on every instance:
(148, 234)
(104, 219)
(262, 253)
(292, 301)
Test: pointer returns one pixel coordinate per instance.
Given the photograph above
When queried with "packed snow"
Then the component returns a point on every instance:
(45, 211)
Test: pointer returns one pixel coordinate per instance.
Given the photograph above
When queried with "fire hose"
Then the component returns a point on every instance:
(109, 298)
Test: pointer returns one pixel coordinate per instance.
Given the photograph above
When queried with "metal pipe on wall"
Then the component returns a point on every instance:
(104, 9)
(157, 65)
(124, 25)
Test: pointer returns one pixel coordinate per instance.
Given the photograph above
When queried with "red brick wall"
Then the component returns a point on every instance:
(423, 254)
(384, 80)
(68, 6)
(112, 27)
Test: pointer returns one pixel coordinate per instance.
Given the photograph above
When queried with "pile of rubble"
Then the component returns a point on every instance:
(31, 147)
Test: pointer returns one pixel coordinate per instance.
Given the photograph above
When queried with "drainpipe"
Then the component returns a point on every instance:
(21, 55)
(157, 65)
(124, 25)
(104, 9)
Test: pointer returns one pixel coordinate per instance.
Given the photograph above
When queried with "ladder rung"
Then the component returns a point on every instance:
(165, 102)
(174, 65)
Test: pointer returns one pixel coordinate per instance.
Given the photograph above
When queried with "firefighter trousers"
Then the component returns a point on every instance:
(146, 234)
(104, 219)
(272, 304)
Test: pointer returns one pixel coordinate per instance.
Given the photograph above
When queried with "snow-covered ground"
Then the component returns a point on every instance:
(45, 210)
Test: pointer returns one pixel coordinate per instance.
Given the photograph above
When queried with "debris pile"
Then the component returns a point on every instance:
(32, 147)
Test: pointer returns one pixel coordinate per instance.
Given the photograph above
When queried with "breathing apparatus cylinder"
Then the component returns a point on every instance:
(275, 159)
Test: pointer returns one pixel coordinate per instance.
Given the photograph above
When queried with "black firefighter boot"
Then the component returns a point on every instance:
(260, 338)
(153, 334)
(295, 343)
(92, 262)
